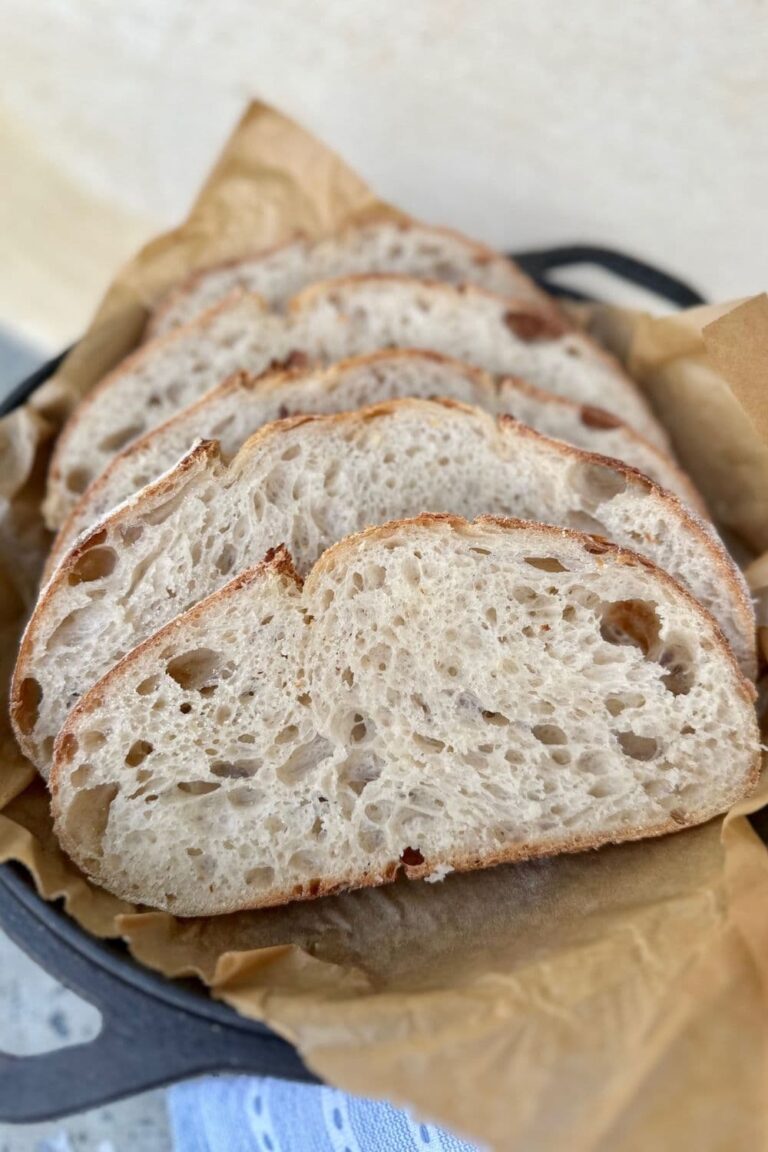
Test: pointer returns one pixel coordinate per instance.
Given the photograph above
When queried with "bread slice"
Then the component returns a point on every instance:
(440, 696)
(309, 481)
(332, 321)
(236, 409)
(386, 246)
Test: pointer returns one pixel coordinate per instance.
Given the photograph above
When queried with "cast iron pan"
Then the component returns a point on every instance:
(156, 1031)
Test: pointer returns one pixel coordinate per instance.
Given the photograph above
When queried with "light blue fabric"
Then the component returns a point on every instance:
(248, 1114)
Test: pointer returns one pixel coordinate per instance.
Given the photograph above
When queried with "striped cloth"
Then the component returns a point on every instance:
(247, 1114)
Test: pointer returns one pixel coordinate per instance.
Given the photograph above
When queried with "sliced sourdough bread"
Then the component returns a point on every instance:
(239, 407)
(387, 246)
(440, 696)
(332, 321)
(307, 482)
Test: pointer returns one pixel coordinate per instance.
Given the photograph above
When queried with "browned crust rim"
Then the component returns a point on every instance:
(208, 451)
(293, 308)
(480, 252)
(279, 562)
(274, 378)
(128, 363)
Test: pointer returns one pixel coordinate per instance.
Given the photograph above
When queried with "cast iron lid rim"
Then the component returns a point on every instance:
(111, 955)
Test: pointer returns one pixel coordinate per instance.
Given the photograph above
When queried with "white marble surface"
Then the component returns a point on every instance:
(37, 1014)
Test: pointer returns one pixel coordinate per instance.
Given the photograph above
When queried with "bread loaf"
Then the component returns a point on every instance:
(309, 481)
(402, 249)
(439, 696)
(236, 409)
(328, 323)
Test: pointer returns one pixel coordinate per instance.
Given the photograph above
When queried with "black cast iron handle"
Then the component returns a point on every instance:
(143, 1042)
(537, 262)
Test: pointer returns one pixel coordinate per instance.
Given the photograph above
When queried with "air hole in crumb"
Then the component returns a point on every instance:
(234, 769)
(597, 418)
(359, 730)
(303, 860)
(29, 697)
(242, 796)
(185, 708)
(549, 734)
(117, 440)
(137, 753)
(81, 775)
(146, 687)
(197, 787)
(679, 677)
(496, 719)
(428, 743)
(225, 559)
(631, 622)
(603, 788)
(87, 818)
(287, 735)
(303, 760)
(638, 747)
(348, 677)
(92, 565)
(260, 877)
(358, 771)
(194, 670)
(194, 851)
(131, 533)
(411, 857)
(77, 480)
(597, 483)
(545, 563)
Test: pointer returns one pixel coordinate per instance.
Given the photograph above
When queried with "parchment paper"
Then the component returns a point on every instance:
(616, 999)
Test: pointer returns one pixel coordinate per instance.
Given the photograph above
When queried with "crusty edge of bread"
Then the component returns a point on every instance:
(208, 450)
(199, 456)
(279, 561)
(482, 252)
(274, 378)
(551, 327)
(127, 364)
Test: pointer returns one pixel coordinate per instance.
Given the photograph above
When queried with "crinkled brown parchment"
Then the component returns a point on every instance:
(616, 999)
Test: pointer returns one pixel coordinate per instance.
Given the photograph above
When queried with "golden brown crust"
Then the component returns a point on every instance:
(277, 561)
(209, 449)
(537, 314)
(275, 378)
(200, 456)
